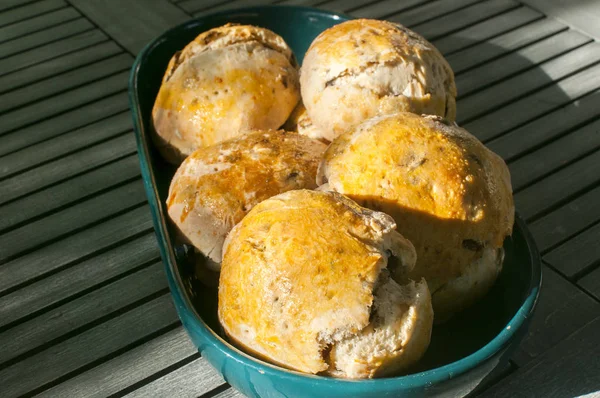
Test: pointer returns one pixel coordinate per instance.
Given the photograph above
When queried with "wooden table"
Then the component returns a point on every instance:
(84, 306)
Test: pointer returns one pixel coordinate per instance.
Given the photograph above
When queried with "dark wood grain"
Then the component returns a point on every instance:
(577, 254)
(591, 283)
(29, 10)
(570, 369)
(343, 5)
(75, 314)
(38, 23)
(63, 123)
(57, 65)
(191, 6)
(385, 8)
(429, 11)
(74, 249)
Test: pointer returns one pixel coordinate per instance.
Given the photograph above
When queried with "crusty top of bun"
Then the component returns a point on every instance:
(364, 68)
(216, 186)
(443, 187)
(298, 274)
(228, 81)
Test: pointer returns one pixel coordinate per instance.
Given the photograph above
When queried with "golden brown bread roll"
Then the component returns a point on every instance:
(228, 81)
(304, 285)
(364, 68)
(216, 186)
(300, 122)
(450, 196)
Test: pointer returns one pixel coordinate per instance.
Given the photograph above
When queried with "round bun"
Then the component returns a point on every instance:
(450, 196)
(304, 284)
(216, 186)
(228, 81)
(300, 122)
(364, 68)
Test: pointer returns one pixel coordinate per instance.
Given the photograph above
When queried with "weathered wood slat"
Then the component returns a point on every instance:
(429, 11)
(57, 65)
(142, 24)
(384, 8)
(502, 45)
(231, 5)
(89, 346)
(70, 191)
(191, 380)
(72, 218)
(7, 4)
(562, 309)
(65, 101)
(504, 92)
(577, 254)
(343, 5)
(192, 6)
(543, 195)
(35, 24)
(66, 167)
(591, 283)
(43, 37)
(555, 155)
(79, 312)
(75, 248)
(535, 133)
(525, 109)
(229, 393)
(567, 220)
(64, 144)
(484, 30)
(512, 63)
(118, 373)
(568, 370)
(63, 123)
(29, 10)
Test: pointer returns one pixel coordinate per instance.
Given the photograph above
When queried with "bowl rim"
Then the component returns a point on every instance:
(183, 302)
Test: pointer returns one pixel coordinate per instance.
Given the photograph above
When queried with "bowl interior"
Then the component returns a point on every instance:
(462, 336)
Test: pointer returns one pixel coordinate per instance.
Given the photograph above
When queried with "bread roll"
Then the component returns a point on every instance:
(450, 196)
(304, 284)
(216, 186)
(300, 122)
(363, 68)
(228, 81)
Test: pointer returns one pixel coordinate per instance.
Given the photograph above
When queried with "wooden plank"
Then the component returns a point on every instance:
(484, 30)
(63, 102)
(8, 4)
(555, 155)
(481, 102)
(52, 50)
(229, 393)
(192, 6)
(385, 8)
(38, 23)
(118, 333)
(191, 380)
(543, 195)
(45, 36)
(70, 191)
(570, 369)
(537, 104)
(578, 254)
(231, 5)
(343, 5)
(142, 24)
(591, 283)
(65, 81)
(29, 10)
(63, 123)
(58, 65)
(462, 60)
(68, 166)
(64, 144)
(557, 123)
(154, 356)
(77, 248)
(429, 11)
(520, 60)
(562, 309)
(65, 222)
(72, 315)
(567, 221)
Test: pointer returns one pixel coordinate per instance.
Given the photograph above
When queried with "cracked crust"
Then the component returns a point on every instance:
(449, 194)
(228, 81)
(298, 277)
(215, 187)
(364, 68)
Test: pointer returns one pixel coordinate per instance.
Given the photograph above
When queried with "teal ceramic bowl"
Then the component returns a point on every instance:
(463, 353)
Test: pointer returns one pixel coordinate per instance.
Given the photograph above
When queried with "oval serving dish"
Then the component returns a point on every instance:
(463, 352)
